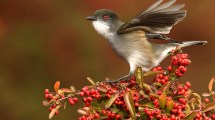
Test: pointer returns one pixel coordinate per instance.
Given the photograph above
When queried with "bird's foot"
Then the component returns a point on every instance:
(122, 79)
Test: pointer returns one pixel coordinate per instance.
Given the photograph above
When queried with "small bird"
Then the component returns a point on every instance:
(133, 40)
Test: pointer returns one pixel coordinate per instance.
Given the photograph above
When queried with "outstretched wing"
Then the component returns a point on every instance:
(158, 18)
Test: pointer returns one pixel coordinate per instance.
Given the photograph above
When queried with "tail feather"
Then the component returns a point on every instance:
(189, 43)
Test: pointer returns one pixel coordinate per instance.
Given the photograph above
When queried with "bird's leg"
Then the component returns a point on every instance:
(163, 37)
(124, 79)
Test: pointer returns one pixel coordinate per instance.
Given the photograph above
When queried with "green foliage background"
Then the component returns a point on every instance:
(42, 41)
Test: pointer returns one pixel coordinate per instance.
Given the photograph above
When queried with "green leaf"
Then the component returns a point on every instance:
(130, 104)
(45, 103)
(143, 93)
(162, 100)
(64, 106)
(191, 116)
(84, 111)
(206, 94)
(151, 73)
(103, 116)
(197, 96)
(188, 109)
(148, 105)
(192, 104)
(102, 88)
(65, 90)
(147, 87)
(189, 92)
(110, 101)
(209, 107)
(91, 80)
(52, 113)
(72, 88)
(169, 105)
(157, 84)
(210, 85)
(114, 109)
(143, 116)
(165, 88)
(154, 95)
(123, 112)
(139, 77)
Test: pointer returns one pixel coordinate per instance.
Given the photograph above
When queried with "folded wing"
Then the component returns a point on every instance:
(158, 18)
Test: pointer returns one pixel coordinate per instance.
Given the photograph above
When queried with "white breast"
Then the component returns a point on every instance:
(102, 28)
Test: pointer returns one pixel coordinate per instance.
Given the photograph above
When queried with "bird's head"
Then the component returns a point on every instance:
(104, 21)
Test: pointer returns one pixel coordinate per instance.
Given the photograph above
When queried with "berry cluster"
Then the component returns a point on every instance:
(50, 96)
(183, 89)
(178, 67)
(179, 64)
(164, 99)
(89, 94)
(161, 77)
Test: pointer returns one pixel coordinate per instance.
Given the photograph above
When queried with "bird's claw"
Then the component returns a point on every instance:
(122, 79)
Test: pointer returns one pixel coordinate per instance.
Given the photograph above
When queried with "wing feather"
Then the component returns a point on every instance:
(152, 6)
(164, 5)
(158, 18)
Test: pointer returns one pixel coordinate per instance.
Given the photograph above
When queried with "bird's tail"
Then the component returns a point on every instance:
(189, 43)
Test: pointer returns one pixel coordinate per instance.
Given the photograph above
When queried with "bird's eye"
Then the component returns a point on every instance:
(105, 17)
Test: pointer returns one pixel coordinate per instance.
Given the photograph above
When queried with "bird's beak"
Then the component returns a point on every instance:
(91, 18)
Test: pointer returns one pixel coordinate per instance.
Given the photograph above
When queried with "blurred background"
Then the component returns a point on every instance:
(42, 41)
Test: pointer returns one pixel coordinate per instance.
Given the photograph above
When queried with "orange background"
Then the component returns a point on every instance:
(42, 41)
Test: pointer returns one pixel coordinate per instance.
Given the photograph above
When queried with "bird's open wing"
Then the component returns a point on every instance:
(158, 18)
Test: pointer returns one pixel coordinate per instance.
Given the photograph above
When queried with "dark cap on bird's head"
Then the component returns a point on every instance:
(103, 15)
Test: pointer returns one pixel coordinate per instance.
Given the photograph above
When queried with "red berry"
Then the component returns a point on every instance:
(188, 84)
(159, 92)
(182, 69)
(47, 96)
(184, 56)
(75, 100)
(161, 76)
(89, 99)
(81, 94)
(84, 89)
(207, 100)
(113, 115)
(70, 99)
(213, 116)
(175, 63)
(185, 62)
(118, 117)
(175, 105)
(136, 104)
(182, 100)
(87, 104)
(104, 112)
(87, 93)
(179, 60)
(85, 100)
(50, 96)
(159, 68)
(46, 91)
(71, 102)
(177, 71)
(174, 58)
(169, 68)
(166, 78)
(96, 115)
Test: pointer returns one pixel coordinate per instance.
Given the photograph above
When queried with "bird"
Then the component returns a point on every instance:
(133, 40)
